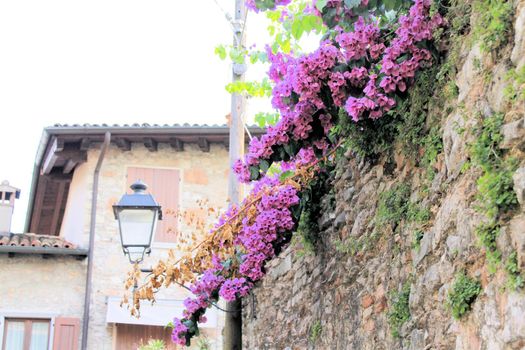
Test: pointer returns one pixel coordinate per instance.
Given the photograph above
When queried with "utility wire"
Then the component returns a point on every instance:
(226, 14)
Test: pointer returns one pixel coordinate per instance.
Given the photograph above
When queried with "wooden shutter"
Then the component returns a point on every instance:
(67, 330)
(163, 184)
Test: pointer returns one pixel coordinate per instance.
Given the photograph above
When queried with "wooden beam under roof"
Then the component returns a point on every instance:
(177, 144)
(63, 155)
(123, 144)
(57, 145)
(151, 144)
(70, 165)
(39, 201)
(50, 202)
(204, 144)
(57, 211)
(85, 143)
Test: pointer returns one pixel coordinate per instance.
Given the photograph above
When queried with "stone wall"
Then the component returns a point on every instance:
(42, 287)
(340, 296)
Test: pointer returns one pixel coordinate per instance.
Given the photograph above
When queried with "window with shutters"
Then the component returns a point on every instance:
(26, 334)
(164, 185)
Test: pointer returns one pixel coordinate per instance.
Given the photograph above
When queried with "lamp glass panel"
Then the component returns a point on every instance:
(136, 254)
(136, 226)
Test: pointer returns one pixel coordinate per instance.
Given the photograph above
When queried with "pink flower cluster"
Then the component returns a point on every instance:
(178, 335)
(256, 244)
(257, 239)
(376, 70)
(303, 79)
(399, 64)
(365, 37)
(235, 288)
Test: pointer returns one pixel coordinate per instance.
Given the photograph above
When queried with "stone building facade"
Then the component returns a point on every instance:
(54, 287)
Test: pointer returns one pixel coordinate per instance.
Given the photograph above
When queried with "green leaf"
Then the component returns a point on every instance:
(227, 264)
(221, 52)
(390, 5)
(273, 16)
(352, 3)
(320, 4)
(372, 4)
(265, 4)
(264, 119)
(288, 148)
(297, 29)
(260, 120)
(237, 56)
(286, 175)
(254, 172)
(264, 165)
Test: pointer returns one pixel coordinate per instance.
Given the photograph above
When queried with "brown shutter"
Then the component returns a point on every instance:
(163, 184)
(130, 336)
(67, 331)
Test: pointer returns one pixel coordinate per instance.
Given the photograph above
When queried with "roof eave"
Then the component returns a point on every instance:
(79, 252)
(145, 130)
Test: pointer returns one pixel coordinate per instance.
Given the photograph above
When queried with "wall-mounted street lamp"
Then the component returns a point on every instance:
(137, 215)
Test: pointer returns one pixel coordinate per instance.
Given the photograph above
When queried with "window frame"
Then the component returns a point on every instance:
(28, 316)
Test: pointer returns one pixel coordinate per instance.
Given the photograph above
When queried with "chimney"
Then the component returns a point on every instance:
(8, 194)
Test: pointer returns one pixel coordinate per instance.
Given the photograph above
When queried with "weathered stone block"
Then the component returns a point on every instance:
(467, 72)
(454, 145)
(513, 134)
(519, 185)
(496, 95)
(417, 339)
(424, 248)
(517, 236)
(367, 301)
(518, 51)
(514, 328)
(282, 268)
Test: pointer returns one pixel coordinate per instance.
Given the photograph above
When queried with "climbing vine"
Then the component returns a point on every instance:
(363, 68)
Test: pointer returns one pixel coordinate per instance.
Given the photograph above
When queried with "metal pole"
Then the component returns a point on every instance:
(232, 339)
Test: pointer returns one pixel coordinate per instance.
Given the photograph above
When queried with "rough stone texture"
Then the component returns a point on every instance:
(519, 185)
(496, 93)
(347, 292)
(454, 145)
(468, 71)
(517, 236)
(518, 51)
(513, 134)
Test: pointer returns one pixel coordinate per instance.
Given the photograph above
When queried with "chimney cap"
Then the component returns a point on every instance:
(5, 187)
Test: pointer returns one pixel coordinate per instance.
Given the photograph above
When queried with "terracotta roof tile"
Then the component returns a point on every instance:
(34, 240)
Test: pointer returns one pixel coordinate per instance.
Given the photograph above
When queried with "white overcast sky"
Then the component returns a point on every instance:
(108, 61)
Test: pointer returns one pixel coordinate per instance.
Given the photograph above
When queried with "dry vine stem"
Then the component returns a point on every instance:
(220, 242)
